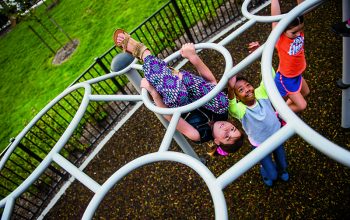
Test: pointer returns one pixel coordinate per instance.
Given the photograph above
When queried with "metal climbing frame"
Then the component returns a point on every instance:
(215, 184)
(345, 122)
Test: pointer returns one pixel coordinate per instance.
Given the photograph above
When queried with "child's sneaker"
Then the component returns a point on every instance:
(266, 180)
(284, 176)
(342, 28)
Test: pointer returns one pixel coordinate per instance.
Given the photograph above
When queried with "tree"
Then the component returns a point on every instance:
(14, 8)
(3, 20)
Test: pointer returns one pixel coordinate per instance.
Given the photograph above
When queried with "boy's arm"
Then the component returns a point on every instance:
(275, 10)
(235, 109)
(231, 85)
(188, 51)
(182, 126)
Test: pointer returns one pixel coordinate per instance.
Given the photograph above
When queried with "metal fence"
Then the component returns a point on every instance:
(163, 32)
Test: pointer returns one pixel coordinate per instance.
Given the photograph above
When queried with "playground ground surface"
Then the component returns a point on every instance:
(319, 188)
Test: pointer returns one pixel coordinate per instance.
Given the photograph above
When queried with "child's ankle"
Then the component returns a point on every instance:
(146, 54)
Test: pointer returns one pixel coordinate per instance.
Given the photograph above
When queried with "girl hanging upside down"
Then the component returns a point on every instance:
(178, 88)
(172, 88)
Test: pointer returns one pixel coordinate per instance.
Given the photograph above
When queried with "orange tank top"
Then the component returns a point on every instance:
(291, 55)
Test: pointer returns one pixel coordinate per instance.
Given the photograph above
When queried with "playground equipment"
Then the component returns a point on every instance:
(189, 158)
(345, 81)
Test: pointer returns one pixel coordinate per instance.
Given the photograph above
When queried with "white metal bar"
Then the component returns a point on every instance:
(180, 139)
(294, 123)
(164, 146)
(267, 19)
(37, 118)
(255, 156)
(345, 121)
(237, 32)
(135, 78)
(108, 98)
(198, 103)
(10, 203)
(91, 156)
(60, 143)
(315, 139)
(210, 180)
(74, 171)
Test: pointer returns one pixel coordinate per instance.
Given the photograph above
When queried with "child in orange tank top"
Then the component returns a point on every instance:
(290, 47)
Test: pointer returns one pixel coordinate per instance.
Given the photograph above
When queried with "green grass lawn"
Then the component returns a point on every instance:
(28, 79)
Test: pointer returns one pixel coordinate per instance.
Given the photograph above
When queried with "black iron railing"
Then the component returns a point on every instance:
(164, 32)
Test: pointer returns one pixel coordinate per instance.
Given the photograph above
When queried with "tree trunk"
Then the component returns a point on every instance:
(13, 20)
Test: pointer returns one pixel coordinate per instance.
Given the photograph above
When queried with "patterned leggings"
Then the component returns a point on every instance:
(176, 92)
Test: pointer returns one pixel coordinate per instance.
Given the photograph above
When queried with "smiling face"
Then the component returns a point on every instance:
(244, 92)
(295, 31)
(225, 133)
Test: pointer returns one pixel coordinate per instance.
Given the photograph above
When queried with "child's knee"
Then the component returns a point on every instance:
(302, 105)
(306, 92)
(297, 102)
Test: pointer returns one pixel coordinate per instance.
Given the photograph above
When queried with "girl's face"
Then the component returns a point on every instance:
(245, 92)
(294, 32)
(225, 133)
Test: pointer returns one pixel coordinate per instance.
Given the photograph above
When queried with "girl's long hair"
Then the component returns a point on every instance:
(229, 148)
(211, 149)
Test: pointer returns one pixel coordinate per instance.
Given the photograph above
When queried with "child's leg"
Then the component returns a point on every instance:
(281, 163)
(264, 176)
(304, 88)
(168, 85)
(197, 87)
(280, 158)
(269, 167)
(305, 91)
(130, 45)
(297, 102)
(291, 88)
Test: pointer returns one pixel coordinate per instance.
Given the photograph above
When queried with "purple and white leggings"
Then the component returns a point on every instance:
(176, 92)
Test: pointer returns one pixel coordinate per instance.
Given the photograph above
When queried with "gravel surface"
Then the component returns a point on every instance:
(319, 188)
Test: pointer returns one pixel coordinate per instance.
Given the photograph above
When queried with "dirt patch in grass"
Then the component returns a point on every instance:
(64, 53)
